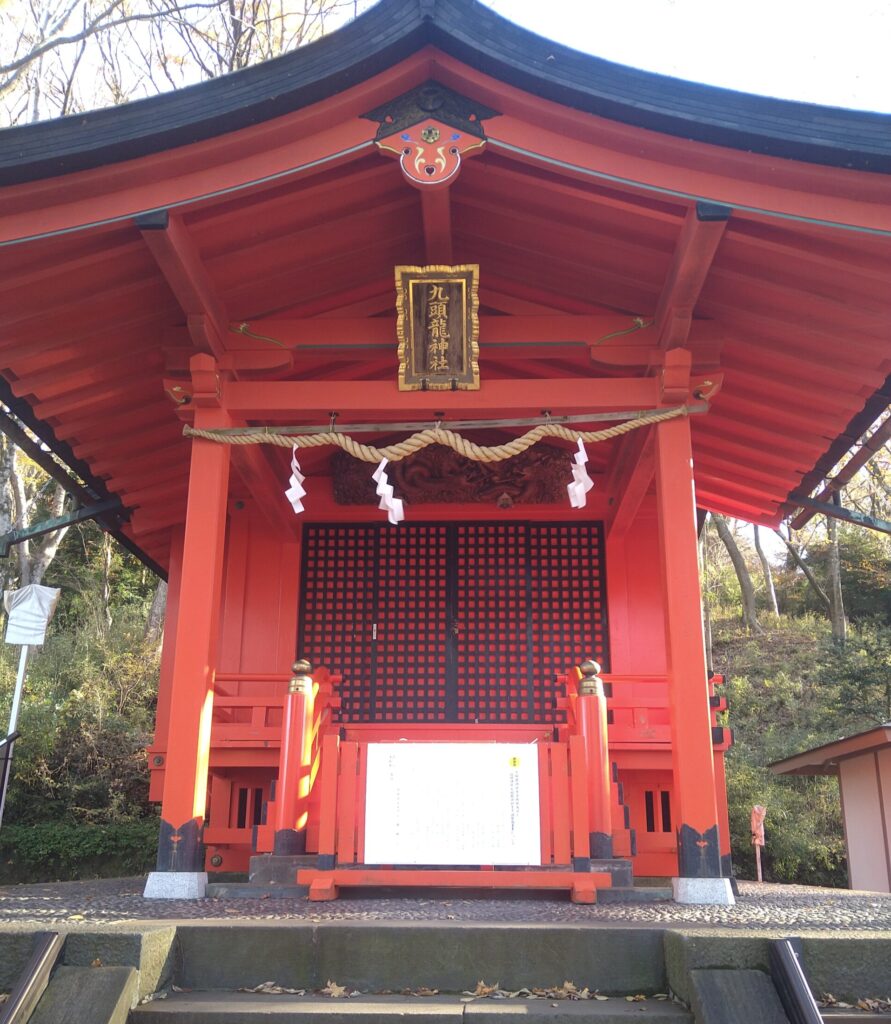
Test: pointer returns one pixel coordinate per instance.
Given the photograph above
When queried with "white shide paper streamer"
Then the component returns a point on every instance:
(581, 482)
(392, 506)
(296, 490)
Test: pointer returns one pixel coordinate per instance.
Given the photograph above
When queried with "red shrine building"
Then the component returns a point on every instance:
(573, 305)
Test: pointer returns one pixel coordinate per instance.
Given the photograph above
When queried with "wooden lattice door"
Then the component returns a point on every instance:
(458, 622)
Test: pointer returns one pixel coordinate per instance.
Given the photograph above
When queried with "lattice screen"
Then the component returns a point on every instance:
(493, 623)
(338, 609)
(452, 622)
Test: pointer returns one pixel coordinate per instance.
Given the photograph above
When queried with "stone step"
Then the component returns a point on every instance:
(98, 995)
(251, 891)
(270, 868)
(246, 1008)
(634, 894)
(379, 956)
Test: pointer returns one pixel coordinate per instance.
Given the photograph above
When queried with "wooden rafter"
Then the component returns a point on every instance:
(180, 263)
(702, 231)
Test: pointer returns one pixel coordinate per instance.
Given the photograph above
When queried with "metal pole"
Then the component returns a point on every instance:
(13, 721)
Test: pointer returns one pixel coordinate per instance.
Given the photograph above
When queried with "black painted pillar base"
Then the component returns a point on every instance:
(698, 853)
(600, 845)
(288, 842)
(181, 848)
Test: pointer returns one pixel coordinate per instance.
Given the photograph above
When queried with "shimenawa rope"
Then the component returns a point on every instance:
(437, 435)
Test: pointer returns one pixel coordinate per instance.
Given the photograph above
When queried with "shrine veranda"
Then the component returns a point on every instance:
(422, 238)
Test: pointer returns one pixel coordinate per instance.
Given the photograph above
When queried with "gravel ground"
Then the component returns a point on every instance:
(107, 901)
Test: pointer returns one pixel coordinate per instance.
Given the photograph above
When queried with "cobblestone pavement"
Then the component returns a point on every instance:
(108, 901)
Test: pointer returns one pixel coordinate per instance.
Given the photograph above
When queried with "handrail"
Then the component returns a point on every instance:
(7, 746)
(10, 739)
(791, 984)
(33, 979)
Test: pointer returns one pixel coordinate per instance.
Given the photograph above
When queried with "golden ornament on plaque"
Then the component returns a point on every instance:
(438, 326)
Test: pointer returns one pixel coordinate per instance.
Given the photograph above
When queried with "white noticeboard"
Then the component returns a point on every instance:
(452, 803)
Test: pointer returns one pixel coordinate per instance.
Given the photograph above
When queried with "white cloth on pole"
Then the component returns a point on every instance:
(29, 611)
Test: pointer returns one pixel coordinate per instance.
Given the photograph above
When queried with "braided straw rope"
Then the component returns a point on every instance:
(437, 435)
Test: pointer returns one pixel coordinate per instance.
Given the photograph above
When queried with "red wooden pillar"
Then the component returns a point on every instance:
(591, 712)
(292, 788)
(180, 846)
(691, 733)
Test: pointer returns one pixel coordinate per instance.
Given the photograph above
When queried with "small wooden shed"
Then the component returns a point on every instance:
(863, 765)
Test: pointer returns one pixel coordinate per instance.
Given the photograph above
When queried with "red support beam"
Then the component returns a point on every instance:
(691, 734)
(630, 479)
(437, 217)
(286, 401)
(188, 741)
(702, 231)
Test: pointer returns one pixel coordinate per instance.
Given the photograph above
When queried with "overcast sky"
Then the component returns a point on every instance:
(822, 51)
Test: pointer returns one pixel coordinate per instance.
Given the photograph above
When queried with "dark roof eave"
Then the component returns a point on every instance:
(392, 31)
(820, 760)
(64, 454)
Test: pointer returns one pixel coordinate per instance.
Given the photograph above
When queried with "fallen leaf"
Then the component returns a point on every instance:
(333, 989)
(482, 989)
(598, 996)
(96, 963)
(422, 991)
(151, 997)
(635, 999)
(270, 988)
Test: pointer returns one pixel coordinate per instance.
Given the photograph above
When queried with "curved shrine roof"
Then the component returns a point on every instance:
(614, 214)
(478, 37)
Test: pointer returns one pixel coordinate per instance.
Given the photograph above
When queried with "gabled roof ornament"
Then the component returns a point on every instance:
(431, 129)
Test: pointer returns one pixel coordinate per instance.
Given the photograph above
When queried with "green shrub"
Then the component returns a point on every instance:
(59, 851)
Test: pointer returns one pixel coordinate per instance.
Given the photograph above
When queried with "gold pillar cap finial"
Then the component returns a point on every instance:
(590, 683)
(301, 680)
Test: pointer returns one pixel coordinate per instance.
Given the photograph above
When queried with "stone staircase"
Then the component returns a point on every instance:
(362, 972)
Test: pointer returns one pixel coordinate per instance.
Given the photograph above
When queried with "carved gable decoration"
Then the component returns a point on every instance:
(431, 129)
(439, 475)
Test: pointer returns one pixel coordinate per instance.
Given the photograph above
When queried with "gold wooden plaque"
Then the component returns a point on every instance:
(438, 327)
